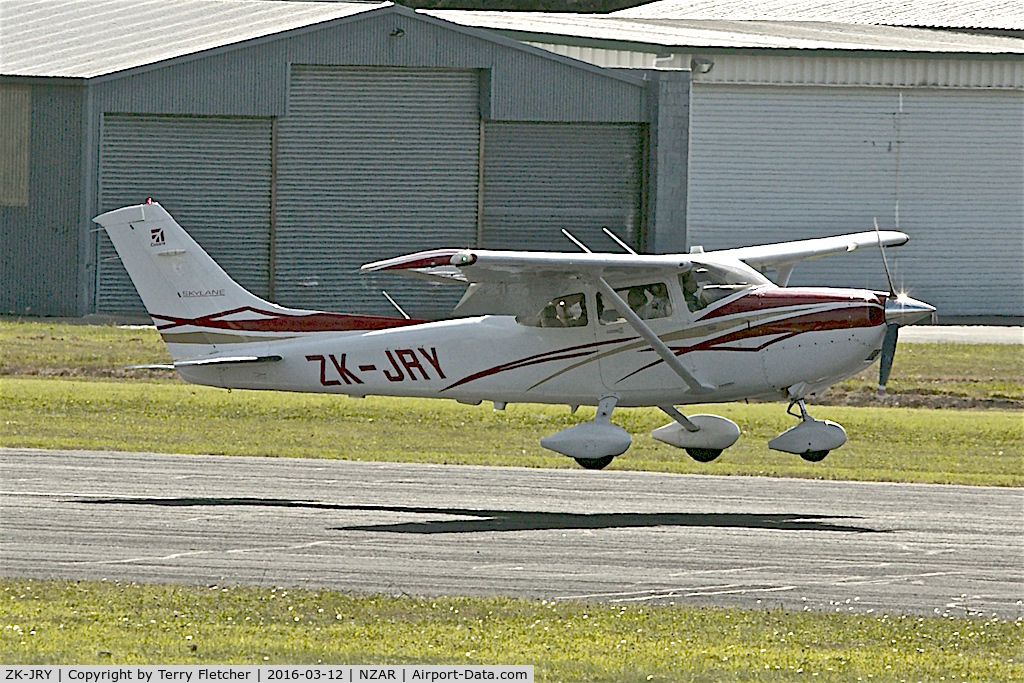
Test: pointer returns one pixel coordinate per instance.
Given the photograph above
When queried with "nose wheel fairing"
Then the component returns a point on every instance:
(811, 439)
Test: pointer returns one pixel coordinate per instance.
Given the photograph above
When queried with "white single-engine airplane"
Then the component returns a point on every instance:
(574, 328)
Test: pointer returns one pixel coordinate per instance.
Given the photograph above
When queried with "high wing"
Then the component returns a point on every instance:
(522, 282)
(784, 255)
(515, 282)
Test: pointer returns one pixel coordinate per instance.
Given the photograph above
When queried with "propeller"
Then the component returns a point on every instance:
(892, 333)
(892, 330)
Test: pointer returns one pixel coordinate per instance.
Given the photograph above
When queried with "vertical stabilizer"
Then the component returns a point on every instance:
(174, 276)
(195, 305)
(191, 299)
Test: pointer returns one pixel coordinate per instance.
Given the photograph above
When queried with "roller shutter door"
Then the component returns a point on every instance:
(374, 163)
(542, 177)
(212, 174)
(774, 163)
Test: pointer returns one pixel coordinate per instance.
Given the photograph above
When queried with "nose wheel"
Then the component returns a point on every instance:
(814, 456)
(811, 439)
(595, 463)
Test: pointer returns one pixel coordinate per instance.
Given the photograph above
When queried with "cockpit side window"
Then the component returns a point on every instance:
(569, 310)
(703, 285)
(648, 301)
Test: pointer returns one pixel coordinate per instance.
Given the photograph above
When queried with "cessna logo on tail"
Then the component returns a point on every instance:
(156, 237)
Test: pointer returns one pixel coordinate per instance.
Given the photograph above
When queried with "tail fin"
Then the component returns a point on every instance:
(195, 305)
(175, 277)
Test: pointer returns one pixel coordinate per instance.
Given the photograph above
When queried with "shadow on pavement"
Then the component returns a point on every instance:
(515, 520)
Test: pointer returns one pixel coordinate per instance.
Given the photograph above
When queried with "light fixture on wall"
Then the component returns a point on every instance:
(397, 33)
(701, 65)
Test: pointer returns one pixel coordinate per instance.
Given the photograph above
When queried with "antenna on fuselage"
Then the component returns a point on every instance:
(615, 238)
(395, 304)
(575, 241)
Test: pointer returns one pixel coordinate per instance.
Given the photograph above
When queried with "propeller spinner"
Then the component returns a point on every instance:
(900, 310)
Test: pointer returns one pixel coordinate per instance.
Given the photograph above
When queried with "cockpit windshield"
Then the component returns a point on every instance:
(705, 284)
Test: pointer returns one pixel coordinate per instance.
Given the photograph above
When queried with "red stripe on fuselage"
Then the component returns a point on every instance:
(787, 297)
(284, 322)
(567, 353)
(846, 317)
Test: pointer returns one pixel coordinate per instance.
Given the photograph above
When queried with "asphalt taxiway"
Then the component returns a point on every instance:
(628, 537)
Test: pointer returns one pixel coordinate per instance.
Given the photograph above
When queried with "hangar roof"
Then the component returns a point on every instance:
(980, 14)
(725, 34)
(89, 38)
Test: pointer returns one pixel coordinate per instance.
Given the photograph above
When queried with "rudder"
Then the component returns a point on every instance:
(181, 286)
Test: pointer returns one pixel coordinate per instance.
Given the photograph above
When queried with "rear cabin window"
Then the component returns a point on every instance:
(648, 301)
(569, 310)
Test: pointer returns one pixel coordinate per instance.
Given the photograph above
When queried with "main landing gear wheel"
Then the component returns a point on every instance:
(814, 456)
(595, 463)
(705, 454)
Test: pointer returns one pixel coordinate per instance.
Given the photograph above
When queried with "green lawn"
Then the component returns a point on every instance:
(970, 370)
(63, 349)
(886, 444)
(61, 622)
(65, 386)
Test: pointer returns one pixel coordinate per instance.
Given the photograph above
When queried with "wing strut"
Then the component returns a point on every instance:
(651, 338)
(674, 413)
(782, 274)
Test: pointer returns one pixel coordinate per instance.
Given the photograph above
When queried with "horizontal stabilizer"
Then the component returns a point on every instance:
(226, 360)
(204, 362)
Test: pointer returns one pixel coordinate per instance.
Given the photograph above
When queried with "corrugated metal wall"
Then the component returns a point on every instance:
(540, 178)
(374, 163)
(775, 163)
(251, 79)
(40, 255)
(15, 142)
(213, 174)
(899, 70)
(78, 169)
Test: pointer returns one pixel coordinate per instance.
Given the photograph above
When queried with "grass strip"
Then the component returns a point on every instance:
(969, 370)
(886, 444)
(103, 623)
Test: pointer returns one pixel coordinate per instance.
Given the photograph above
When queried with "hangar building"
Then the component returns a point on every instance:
(808, 122)
(297, 140)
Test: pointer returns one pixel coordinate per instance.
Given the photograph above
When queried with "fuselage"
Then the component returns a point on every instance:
(762, 342)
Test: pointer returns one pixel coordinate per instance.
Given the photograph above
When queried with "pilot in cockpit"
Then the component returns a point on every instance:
(691, 291)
